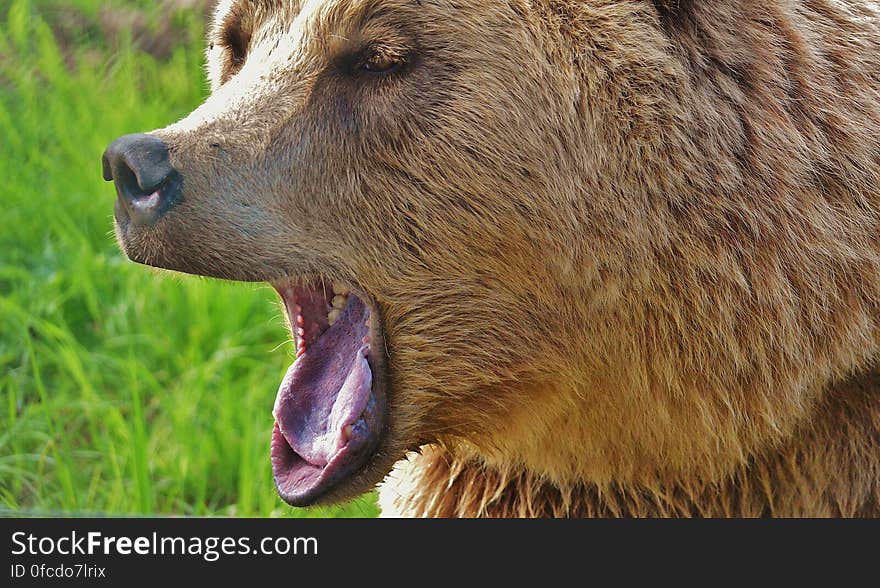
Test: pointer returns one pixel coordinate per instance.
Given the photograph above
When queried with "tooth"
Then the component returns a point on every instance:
(340, 288)
(333, 315)
(339, 301)
(347, 432)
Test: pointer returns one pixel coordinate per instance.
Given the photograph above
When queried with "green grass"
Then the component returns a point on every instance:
(123, 390)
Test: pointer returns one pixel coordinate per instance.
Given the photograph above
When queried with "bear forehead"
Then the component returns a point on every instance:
(280, 13)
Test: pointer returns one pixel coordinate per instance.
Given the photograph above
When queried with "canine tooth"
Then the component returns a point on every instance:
(340, 288)
(333, 315)
(339, 301)
(347, 432)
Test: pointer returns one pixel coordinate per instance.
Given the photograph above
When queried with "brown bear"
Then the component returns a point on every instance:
(550, 257)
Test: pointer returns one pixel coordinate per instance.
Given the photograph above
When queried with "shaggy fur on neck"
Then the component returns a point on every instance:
(830, 469)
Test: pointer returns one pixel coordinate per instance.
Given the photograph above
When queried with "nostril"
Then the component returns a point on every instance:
(144, 156)
(127, 180)
(146, 183)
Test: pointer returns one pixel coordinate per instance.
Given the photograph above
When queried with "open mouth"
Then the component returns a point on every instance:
(330, 409)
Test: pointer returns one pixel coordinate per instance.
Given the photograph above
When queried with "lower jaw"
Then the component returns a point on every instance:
(331, 410)
(301, 484)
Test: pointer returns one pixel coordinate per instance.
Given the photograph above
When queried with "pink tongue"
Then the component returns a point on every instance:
(325, 392)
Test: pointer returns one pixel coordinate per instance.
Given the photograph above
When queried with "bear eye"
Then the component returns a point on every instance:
(380, 64)
(382, 61)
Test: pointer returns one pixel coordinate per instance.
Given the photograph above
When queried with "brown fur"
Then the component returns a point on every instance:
(828, 469)
(627, 253)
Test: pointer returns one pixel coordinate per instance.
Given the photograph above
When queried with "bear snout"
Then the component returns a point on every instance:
(147, 185)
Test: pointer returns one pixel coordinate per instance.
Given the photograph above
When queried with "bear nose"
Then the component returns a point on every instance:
(147, 185)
